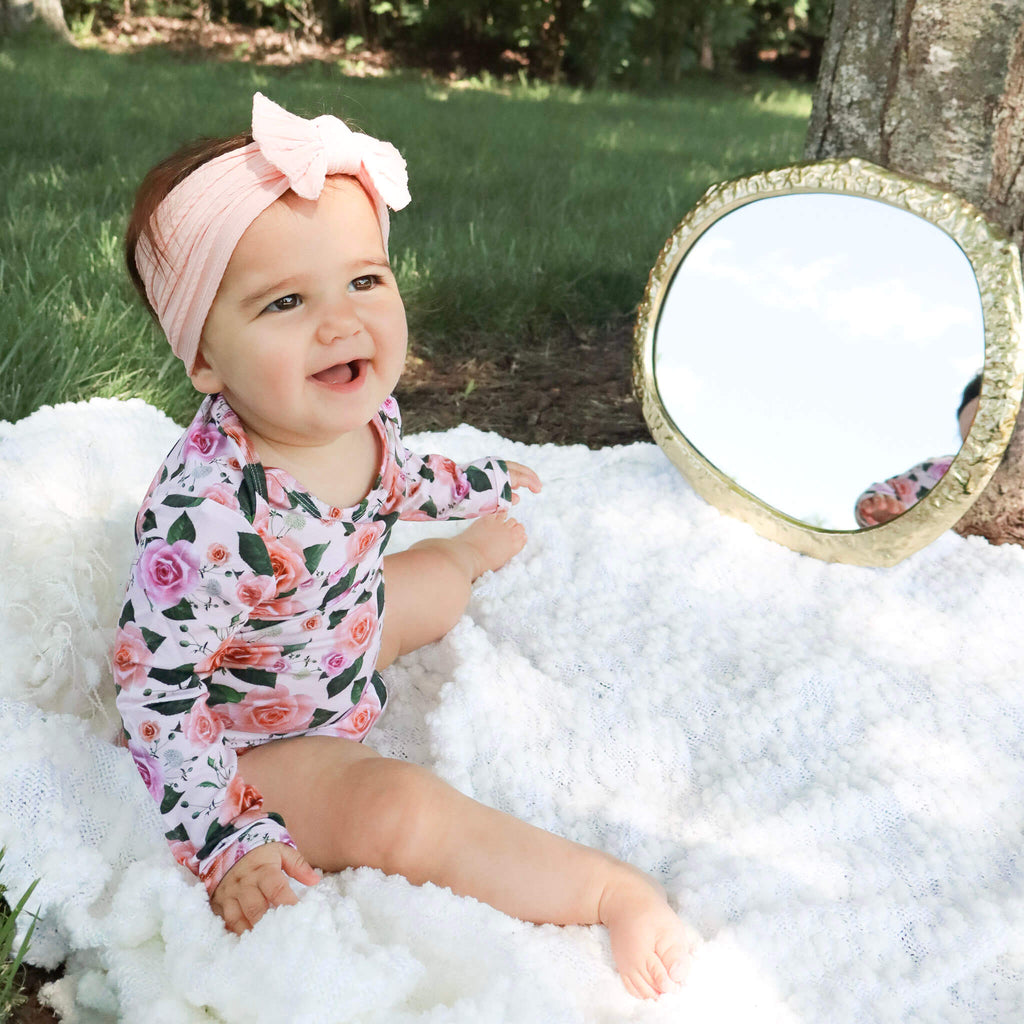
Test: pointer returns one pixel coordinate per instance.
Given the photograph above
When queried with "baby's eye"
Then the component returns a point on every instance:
(284, 303)
(366, 282)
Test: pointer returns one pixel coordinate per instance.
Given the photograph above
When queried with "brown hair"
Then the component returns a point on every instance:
(155, 187)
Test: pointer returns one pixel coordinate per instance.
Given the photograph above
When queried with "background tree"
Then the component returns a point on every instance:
(936, 91)
(17, 15)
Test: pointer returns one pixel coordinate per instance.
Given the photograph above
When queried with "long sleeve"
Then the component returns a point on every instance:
(908, 488)
(201, 567)
(431, 487)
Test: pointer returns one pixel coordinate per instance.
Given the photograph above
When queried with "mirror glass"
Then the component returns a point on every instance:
(809, 345)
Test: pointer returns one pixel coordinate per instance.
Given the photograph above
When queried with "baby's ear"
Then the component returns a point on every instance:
(204, 377)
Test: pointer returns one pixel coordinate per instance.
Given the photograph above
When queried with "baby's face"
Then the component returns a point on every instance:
(966, 417)
(307, 334)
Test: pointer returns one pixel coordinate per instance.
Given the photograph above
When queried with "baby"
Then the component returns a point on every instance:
(882, 502)
(254, 629)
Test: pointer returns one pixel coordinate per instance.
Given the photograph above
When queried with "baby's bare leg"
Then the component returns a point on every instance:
(345, 806)
(427, 587)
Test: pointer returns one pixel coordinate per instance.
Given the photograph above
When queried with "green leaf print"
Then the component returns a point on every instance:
(181, 529)
(312, 556)
(153, 640)
(221, 694)
(127, 614)
(254, 676)
(182, 610)
(320, 717)
(429, 508)
(172, 676)
(338, 683)
(357, 690)
(341, 586)
(182, 501)
(214, 834)
(179, 832)
(171, 707)
(478, 479)
(148, 521)
(254, 553)
(378, 685)
(171, 797)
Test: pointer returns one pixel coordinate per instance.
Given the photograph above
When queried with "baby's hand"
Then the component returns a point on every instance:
(880, 508)
(522, 476)
(258, 882)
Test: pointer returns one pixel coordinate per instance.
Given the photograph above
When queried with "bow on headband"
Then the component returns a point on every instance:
(305, 152)
(199, 222)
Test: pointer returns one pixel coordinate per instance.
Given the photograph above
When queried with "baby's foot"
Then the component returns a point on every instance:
(493, 540)
(650, 945)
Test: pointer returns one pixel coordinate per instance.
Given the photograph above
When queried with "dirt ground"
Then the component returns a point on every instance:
(577, 391)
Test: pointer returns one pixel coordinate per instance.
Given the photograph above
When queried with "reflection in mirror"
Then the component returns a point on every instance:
(809, 345)
(808, 331)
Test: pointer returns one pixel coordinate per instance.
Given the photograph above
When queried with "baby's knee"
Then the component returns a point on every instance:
(397, 813)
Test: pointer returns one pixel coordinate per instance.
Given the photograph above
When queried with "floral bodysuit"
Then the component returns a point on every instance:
(908, 488)
(254, 612)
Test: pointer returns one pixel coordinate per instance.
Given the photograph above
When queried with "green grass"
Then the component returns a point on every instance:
(11, 958)
(532, 206)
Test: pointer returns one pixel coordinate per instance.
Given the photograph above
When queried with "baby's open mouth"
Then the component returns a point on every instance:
(341, 373)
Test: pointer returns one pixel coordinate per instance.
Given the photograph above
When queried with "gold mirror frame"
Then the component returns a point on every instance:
(996, 263)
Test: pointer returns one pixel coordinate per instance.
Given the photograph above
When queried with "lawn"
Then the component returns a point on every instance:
(533, 207)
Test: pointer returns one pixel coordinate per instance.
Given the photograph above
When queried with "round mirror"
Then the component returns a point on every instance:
(808, 332)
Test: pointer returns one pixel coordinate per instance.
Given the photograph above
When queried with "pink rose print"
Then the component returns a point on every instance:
(253, 590)
(446, 474)
(391, 483)
(288, 563)
(276, 495)
(222, 494)
(167, 572)
(358, 722)
(130, 658)
(217, 554)
(206, 442)
(363, 540)
(312, 624)
(269, 709)
(149, 769)
(149, 730)
(235, 653)
(184, 853)
(335, 663)
(238, 797)
(201, 726)
(356, 630)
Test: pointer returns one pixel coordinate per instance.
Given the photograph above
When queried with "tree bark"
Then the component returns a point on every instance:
(17, 15)
(935, 89)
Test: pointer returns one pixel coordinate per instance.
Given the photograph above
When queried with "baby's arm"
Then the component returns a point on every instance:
(185, 603)
(885, 501)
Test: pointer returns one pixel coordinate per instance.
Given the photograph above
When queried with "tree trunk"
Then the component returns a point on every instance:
(935, 89)
(17, 15)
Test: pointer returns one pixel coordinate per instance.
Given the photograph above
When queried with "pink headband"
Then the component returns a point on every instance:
(199, 222)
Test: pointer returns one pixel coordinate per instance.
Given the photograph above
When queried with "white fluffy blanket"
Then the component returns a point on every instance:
(823, 764)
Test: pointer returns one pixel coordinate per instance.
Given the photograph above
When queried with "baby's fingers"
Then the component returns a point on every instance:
(275, 890)
(523, 476)
(298, 867)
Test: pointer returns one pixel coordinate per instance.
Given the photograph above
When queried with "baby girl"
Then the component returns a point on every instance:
(251, 643)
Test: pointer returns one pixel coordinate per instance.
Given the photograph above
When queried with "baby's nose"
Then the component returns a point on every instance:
(338, 323)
